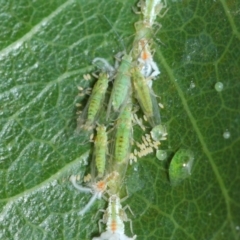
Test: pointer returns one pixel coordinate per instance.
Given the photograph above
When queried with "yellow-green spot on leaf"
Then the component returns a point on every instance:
(180, 166)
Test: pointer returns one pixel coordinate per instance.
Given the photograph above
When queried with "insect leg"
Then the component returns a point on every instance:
(99, 224)
(155, 69)
(163, 6)
(129, 209)
(125, 218)
(89, 204)
(107, 66)
(79, 187)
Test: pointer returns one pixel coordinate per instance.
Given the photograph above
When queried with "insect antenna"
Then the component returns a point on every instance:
(119, 37)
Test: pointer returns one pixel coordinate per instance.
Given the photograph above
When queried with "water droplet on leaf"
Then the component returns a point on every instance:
(226, 134)
(218, 86)
(192, 85)
(159, 132)
(161, 155)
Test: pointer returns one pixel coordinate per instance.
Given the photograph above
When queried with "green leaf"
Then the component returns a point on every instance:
(46, 47)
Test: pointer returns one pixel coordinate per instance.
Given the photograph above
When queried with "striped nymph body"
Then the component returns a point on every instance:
(150, 9)
(123, 137)
(100, 149)
(145, 96)
(95, 101)
(121, 86)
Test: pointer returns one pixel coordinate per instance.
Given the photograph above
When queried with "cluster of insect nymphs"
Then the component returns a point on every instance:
(111, 127)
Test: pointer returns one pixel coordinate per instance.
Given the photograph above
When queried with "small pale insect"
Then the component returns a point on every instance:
(135, 152)
(148, 67)
(180, 166)
(145, 97)
(155, 144)
(147, 147)
(151, 8)
(140, 145)
(114, 181)
(218, 86)
(132, 158)
(87, 77)
(87, 178)
(83, 92)
(144, 56)
(91, 138)
(145, 141)
(145, 152)
(159, 132)
(78, 104)
(114, 218)
(94, 104)
(100, 149)
(143, 31)
(139, 121)
(114, 236)
(161, 105)
(148, 137)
